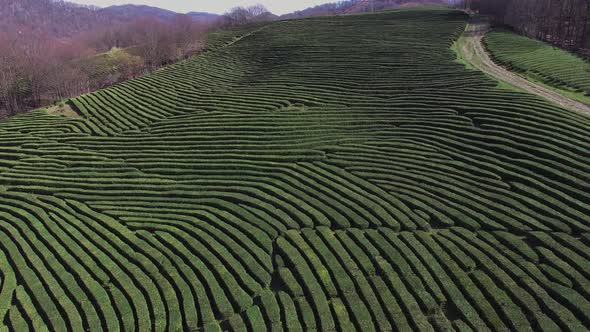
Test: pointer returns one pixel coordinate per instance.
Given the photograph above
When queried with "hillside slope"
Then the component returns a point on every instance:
(340, 173)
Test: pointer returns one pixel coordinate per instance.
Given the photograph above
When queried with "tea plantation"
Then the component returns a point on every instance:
(539, 60)
(338, 173)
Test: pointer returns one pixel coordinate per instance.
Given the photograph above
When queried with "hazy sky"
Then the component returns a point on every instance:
(212, 6)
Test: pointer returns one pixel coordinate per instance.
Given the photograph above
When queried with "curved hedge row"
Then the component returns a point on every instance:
(553, 66)
(338, 173)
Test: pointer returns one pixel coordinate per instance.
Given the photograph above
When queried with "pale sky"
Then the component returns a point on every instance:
(278, 7)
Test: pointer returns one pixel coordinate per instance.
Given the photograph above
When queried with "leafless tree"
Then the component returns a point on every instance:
(38, 68)
(245, 15)
(12, 65)
(564, 23)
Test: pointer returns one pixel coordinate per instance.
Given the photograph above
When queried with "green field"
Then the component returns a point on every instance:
(541, 61)
(340, 173)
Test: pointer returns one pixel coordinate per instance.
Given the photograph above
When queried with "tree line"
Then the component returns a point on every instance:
(39, 66)
(564, 23)
(246, 15)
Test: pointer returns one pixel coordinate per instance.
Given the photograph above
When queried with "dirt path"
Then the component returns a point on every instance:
(474, 52)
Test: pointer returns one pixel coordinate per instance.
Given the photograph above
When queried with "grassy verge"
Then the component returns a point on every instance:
(570, 93)
(62, 109)
(458, 48)
(541, 63)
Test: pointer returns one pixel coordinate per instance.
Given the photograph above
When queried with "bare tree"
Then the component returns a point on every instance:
(188, 35)
(38, 68)
(561, 22)
(245, 15)
(11, 93)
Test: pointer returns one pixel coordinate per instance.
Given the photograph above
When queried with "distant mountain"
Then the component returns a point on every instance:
(48, 17)
(131, 12)
(359, 6)
(202, 15)
(61, 19)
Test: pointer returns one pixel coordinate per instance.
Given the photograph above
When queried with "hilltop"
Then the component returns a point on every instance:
(360, 6)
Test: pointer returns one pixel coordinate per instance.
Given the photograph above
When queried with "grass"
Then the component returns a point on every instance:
(568, 92)
(62, 109)
(457, 47)
(557, 69)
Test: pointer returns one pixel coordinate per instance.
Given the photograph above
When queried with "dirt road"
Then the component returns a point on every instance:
(474, 52)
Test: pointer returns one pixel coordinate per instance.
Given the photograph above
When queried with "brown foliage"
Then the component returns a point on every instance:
(565, 23)
(42, 63)
(246, 15)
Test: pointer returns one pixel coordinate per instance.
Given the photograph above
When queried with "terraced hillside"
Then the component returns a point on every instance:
(331, 173)
(539, 60)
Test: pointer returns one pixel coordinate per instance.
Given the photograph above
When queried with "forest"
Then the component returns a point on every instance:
(563, 23)
(51, 50)
(38, 68)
